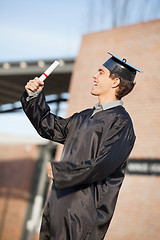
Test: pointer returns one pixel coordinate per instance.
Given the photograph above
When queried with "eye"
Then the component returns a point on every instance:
(100, 71)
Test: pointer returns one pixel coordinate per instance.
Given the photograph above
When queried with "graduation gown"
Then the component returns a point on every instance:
(88, 178)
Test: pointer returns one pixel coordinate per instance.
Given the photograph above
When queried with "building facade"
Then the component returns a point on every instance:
(137, 214)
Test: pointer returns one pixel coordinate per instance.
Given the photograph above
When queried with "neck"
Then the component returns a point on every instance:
(105, 99)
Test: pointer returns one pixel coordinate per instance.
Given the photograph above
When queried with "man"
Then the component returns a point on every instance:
(97, 143)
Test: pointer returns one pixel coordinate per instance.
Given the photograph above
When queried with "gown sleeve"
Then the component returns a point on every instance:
(47, 125)
(116, 148)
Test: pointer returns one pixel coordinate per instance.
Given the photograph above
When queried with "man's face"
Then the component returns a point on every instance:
(102, 82)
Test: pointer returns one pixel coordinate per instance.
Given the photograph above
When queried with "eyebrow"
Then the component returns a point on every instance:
(100, 70)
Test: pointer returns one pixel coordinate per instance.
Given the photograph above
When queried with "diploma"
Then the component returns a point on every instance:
(49, 70)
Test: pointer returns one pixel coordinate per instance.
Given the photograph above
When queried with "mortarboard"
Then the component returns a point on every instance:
(121, 67)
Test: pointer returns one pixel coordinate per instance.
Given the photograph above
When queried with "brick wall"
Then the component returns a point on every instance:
(17, 164)
(140, 45)
(137, 213)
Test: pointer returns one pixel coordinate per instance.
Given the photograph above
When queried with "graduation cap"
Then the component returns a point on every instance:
(121, 67)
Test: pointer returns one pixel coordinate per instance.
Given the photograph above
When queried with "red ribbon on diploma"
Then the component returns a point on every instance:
(45, 75)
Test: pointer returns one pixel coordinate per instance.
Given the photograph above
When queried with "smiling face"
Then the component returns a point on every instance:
(102, 83)
(104, 87)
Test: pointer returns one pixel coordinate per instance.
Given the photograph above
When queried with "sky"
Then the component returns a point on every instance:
(45, 30)
(38, 29)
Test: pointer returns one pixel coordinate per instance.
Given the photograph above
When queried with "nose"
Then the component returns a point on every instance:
(95, 76)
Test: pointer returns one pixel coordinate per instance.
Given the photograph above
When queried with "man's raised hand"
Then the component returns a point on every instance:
(34, 85)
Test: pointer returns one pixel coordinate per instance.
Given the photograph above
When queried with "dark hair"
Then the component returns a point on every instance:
(124, 87)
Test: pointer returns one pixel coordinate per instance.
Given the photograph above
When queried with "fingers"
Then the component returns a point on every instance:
(34, 85)
(49, 170)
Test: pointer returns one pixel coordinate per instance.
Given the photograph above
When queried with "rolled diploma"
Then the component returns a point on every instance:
(49, 70)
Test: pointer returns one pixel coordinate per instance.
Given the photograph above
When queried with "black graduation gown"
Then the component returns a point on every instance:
(88, 177)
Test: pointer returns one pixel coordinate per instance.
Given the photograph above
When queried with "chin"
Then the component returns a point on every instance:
(94, 93)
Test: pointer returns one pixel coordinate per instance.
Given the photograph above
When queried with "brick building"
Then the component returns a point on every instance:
(137, 213)
(17, 163)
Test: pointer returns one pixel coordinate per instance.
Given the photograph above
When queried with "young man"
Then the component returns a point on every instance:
(97, 143)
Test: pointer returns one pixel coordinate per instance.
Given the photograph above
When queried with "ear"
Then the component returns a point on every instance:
(115, 82)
